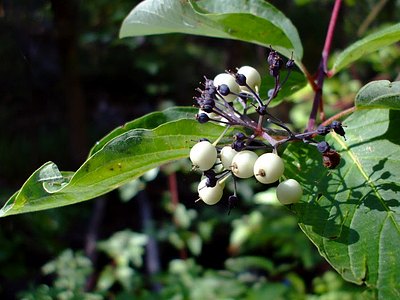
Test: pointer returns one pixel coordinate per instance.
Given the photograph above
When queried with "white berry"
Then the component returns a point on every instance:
(243, 164)
(226, 155)
(289, 191)
(229, 80)
(210, 195)
(268, 168)
(203, 155)
(253, 78)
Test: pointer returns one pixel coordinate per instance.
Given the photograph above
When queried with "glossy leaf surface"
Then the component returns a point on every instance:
(254, 21)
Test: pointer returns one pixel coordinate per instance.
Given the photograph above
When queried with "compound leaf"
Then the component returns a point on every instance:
(352, 213)
(379, 94)
(369, 44)
(254, 21)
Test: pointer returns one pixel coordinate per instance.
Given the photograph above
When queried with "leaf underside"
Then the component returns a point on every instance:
(352, 213)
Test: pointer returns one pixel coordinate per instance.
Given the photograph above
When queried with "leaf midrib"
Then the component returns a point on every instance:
(353, 156)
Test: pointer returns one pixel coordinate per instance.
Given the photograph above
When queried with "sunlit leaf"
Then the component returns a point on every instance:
(352, 213)
(121, 159)
(254, 21)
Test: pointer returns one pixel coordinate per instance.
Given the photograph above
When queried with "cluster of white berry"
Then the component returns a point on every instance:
(219, 164)
(238, 159)
(227, 100)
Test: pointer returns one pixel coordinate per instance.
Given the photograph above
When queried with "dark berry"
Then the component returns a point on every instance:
(239, 136)
(202, 118)
(207, 108)
(323, 147)
(240, 79)
(238, 145)
(223, 89)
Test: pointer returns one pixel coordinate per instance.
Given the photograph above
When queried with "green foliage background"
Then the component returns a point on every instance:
(255, 252)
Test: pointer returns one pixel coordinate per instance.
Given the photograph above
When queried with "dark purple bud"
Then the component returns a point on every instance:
(290, 64)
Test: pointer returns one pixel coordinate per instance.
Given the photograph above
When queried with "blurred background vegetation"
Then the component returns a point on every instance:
(66, 80)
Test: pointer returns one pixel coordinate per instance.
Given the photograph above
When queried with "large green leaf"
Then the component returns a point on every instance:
(352, 213)
(367, 45)
(254, 21)
(123, 158)
(379, 94)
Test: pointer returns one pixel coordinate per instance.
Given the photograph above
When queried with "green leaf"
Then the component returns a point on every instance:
(149, 121)
(379, 94)
(352, 213)
(254, 21)
(123, 158)
(370, 43)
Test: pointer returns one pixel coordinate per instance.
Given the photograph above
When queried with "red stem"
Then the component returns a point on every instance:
(322, 71)
(329, 34)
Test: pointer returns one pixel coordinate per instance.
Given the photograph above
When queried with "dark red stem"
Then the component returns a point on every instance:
(322, 71)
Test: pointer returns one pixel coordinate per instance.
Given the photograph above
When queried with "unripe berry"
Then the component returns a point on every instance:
(253, 78)
(226, 155)
(268, 168)
(210, 195)
(203, 155)
(243, 164)
(289, 191)
(230, 82)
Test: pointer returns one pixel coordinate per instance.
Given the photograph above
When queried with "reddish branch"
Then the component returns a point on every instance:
(322, 71)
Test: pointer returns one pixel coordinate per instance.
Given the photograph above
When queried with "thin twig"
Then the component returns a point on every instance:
(322, 68)
(339, 115)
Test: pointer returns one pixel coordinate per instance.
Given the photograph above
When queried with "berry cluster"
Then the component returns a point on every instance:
(229, 99)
